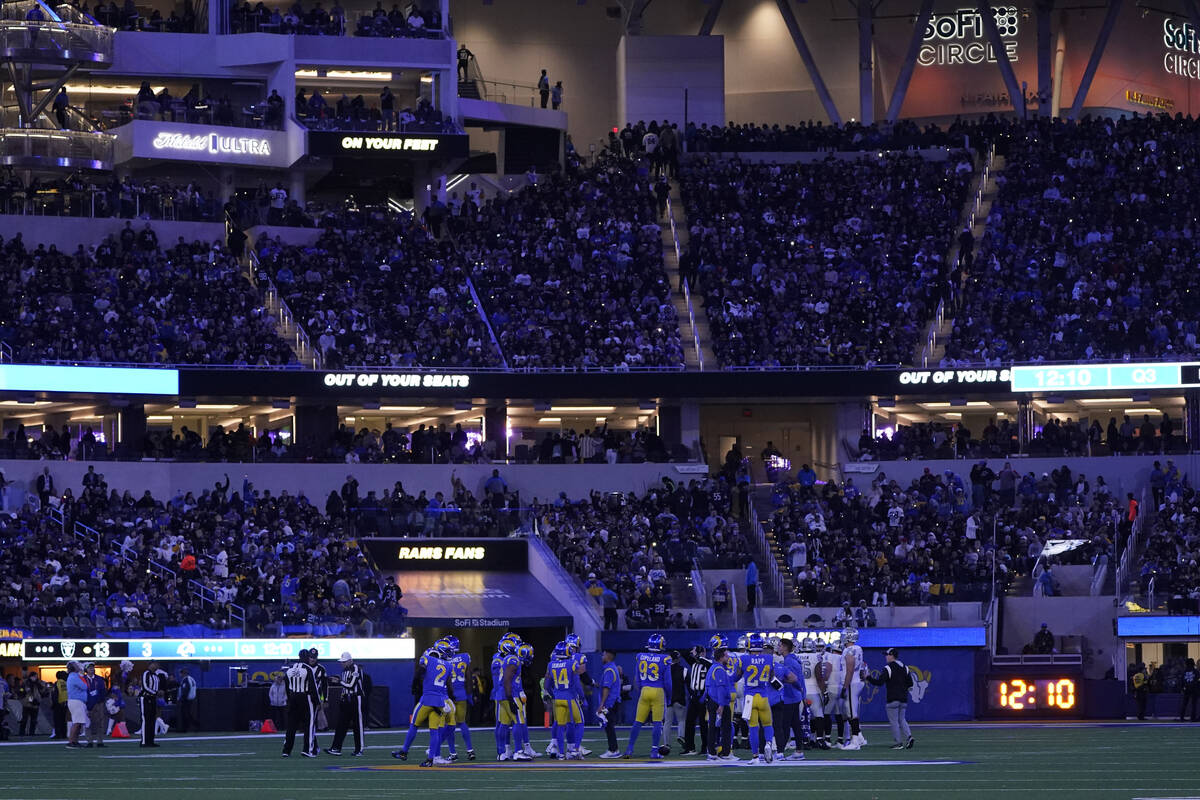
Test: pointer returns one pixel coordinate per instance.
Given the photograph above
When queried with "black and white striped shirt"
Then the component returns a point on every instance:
(301, 681)
(321, 680)
(352, 682)
(698, 676)
(150, 683)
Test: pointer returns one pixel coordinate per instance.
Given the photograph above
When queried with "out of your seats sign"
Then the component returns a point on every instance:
(395, 380)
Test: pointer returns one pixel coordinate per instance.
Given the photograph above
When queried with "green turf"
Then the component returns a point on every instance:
(1052, 762)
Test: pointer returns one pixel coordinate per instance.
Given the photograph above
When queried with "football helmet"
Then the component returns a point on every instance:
(808, 645)
(560, 650)
(573, 642)
(849, 636)
(525, 653)
(754, 641)
(508, 647)
(656, 643)
(741, 642)
(718, 641)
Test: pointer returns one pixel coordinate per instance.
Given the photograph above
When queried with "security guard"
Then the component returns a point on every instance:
(151, 687)
(302, 706)
(350, 714)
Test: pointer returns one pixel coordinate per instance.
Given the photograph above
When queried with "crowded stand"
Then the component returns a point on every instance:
(1103, 274)
(851, 279)
(570, 270)
(132, 299)
(885, 544)
(355, 114)
(414, 21)
(1168, 573)
(388, 294)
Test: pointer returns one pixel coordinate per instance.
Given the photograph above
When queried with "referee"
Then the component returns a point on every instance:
(350, 714)
(151, 686)
(697, 711)
(302, 706)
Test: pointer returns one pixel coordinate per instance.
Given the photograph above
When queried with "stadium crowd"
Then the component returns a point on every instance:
(1101, 272)
(387, 294)
(132, 299)
(830, 262)
(570, 270)
(415, 20)
(1168, 572)
(933, 540)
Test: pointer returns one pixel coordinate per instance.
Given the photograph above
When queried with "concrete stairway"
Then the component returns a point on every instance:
(693, 326)
(933, 344)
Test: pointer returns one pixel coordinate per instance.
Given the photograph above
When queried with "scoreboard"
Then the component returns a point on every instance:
(1094, 377)
(214, 649)
(1030, 696)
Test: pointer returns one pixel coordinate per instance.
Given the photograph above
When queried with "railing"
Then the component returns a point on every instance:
(687, 293)
(702, 598)
(6, 354)
(208, 596)
(487, 323)
(59, 42)
(304, 349)
(38, 147)
(759, 537)
(931, 341)
(1126, 562)
(987, 171)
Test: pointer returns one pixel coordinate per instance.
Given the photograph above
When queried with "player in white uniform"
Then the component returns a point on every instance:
(741, 729)
(835, 709)
(855, 665)
(815, 674)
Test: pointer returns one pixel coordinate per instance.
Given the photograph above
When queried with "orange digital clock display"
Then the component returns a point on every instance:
(1029, 694)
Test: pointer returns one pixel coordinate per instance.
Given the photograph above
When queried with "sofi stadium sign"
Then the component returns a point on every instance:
(1182, 48)
(212, 143)
(959, 38)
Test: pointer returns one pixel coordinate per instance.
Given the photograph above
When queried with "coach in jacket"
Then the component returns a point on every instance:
(897, 681)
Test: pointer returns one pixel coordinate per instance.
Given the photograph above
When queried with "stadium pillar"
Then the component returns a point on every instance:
(131, 430)
(679, 424)
(495, 429)
(910, 61)
(1110, 21)
(225, 181)
(988, 18)
(810, 63)
(315, 427)
(1045, 8)
(866, 63)
(296, 189)
(1024, 424)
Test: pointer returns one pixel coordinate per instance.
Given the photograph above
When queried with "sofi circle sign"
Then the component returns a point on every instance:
(1182, 49)
(959, 38)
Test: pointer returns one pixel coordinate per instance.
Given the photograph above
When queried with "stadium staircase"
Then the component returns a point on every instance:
(975, 213)
(772, 560)
(289, 328)
(693, 323)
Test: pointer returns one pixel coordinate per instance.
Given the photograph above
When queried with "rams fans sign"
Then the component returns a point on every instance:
(412, 555)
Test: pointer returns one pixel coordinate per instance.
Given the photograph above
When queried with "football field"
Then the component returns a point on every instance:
(1056, 760)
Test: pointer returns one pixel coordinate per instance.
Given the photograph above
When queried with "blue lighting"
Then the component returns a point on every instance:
(93, 380)
(1144, 626)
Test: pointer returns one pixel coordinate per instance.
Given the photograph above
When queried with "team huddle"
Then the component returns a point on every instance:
(774, 698)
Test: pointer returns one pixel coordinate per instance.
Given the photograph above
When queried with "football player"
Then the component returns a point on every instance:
(835, 708)
(562, 679)
(855, 664)
(652, 673)
(741, 731)
(574, 646)
(790, 672)
(433, 673)
(460, 665)
(816, 672)
(505, 669)
(762, 691)
(524, 751)
(718, 699)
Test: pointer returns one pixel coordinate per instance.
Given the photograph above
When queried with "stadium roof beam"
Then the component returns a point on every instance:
(1045, 88)
(988, 18)
(710, 17)
(789, 19)
(910, 61)
(635, 11)
(866, 61)
(1110, 21)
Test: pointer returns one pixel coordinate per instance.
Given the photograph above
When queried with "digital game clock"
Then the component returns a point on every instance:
(1033, 696)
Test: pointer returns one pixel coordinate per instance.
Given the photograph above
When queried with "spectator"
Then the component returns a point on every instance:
(543, 87)
(1043, 640)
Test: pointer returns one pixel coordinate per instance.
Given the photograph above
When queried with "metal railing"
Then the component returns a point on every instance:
(1099, 575)
(759, 537)
(1036, 659)
(1126, 563)
(209, 597)
(487, 323)
(57, 42)
(683, 284)
(303, 345)
(71, 149)
(6, 353)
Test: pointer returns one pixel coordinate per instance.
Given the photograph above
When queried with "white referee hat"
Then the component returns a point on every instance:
(344, 657)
